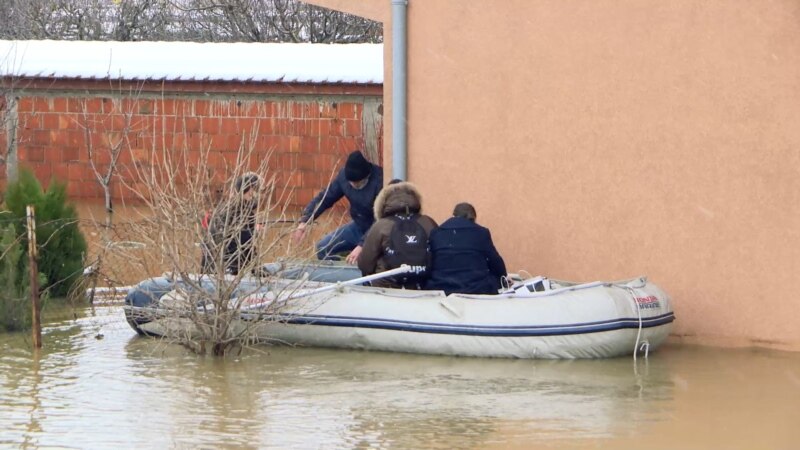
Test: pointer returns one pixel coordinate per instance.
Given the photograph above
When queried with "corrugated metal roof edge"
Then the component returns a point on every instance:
(189, 87)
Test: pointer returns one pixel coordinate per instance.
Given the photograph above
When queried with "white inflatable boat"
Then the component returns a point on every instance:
(534, 318)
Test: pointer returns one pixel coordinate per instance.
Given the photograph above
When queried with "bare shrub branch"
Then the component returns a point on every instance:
(174, 189)
(183, 20)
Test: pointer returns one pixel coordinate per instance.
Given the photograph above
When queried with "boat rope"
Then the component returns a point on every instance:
(639, 331)
(646, 347)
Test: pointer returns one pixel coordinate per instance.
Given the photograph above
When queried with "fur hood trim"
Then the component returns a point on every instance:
(399, 198)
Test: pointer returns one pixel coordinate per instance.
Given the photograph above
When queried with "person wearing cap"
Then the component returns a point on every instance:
(359, 182)
(231, 228)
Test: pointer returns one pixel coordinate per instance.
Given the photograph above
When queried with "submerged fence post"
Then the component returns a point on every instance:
(36, 324)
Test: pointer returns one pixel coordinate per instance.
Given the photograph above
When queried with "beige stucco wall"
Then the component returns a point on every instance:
(602, 139)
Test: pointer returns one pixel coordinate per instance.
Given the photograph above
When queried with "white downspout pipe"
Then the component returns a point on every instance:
(399, 96)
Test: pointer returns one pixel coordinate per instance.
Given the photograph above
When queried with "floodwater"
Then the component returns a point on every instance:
(98, 385)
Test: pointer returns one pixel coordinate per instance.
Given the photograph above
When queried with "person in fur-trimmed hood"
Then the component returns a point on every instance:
(398, 200)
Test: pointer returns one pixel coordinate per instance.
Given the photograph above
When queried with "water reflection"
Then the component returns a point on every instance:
(133, 392)
(33, 428)
(290, 395)
(26, 377)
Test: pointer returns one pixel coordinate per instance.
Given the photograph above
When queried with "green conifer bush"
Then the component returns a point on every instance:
(15, 306)
(62, 246)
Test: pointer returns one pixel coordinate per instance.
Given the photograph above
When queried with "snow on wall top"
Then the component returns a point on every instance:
(182, 61)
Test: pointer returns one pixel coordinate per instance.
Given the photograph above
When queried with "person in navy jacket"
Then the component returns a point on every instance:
(465, 259)
(359, 181)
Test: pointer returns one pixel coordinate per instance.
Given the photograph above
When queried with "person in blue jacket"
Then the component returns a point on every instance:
(359, 181)
(464, 258)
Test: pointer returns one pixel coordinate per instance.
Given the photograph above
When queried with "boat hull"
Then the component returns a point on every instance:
(594, 320)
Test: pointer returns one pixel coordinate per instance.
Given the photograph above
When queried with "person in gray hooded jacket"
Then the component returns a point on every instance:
(230, 240)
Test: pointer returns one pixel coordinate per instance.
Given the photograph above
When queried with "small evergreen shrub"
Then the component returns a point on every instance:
(15, 306)
(62, 247)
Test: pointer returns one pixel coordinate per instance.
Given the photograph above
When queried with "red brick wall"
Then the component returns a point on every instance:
(307, 136)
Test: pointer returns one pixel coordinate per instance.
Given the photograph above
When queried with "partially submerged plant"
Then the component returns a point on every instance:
(213, 241)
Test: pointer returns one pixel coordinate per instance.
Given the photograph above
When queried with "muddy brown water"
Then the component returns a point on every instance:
(98, 385)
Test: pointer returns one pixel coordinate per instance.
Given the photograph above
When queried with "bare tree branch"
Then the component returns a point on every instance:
(188, 20)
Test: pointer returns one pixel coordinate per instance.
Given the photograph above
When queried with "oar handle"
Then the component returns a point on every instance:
(360, 280)
(405, 268)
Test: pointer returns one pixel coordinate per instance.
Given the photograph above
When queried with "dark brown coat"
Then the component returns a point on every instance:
(395, 199)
